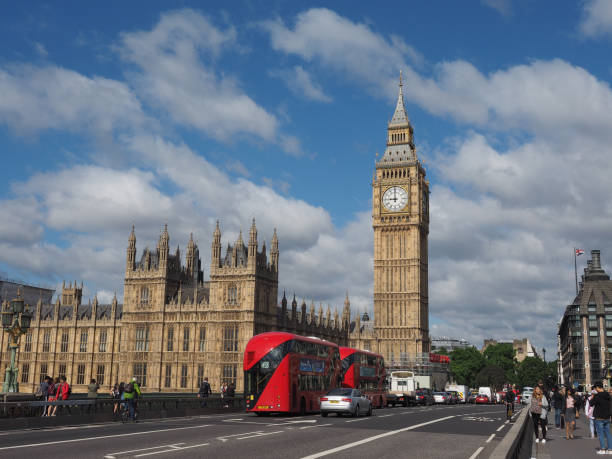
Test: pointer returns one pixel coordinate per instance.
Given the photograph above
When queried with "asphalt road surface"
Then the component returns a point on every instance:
(425, 432)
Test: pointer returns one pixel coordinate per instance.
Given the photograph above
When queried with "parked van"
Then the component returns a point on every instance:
(488, 392)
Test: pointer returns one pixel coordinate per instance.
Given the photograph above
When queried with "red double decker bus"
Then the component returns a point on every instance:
(364, 370)
(286, 373)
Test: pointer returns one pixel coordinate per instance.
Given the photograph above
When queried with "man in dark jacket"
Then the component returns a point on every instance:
(204, 391)
(601, 413)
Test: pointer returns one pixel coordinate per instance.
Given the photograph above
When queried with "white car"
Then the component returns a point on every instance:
(526, 395)
(441, 397)
(345, 401)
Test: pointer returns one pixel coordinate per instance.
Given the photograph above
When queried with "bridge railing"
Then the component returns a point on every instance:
(27, 412)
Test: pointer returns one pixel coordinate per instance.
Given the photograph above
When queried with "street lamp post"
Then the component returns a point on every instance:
(544, 353)
(15, 321)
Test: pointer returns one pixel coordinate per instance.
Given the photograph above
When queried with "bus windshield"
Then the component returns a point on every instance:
(257, 377)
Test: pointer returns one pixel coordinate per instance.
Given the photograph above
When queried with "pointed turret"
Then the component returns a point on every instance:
(252, 259)
(400, 142)
(328, 317)
(163, 248)
(239, 241)
(320, 314)
(312, 313)
(216, 248)
(400, 117)
(274, 252)
(303, 316)
(192, 258)
(346, 312)
(294, 308)
(284, 307)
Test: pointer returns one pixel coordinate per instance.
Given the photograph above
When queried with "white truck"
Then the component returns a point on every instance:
(488, 392)
(463, 391)
(401, 389)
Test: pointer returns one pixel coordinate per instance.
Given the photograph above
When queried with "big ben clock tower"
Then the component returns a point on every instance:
(400, 215)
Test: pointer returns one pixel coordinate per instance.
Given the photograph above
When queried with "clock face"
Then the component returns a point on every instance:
(395, 198)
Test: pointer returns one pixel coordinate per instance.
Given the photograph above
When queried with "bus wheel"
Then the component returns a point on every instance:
(302, 407)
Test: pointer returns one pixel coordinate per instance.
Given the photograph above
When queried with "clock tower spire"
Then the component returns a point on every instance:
(400, 218)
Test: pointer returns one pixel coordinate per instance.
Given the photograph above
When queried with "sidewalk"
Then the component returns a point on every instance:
(557, 447)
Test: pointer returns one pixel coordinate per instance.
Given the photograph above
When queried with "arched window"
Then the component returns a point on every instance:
(144, 297)
(232, 294)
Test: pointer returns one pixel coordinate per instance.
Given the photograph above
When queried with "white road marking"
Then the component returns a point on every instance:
(224, 438)
(112, 455)
(101, 437)
(375, 437)
(357, 420)
(310, 427)
(172, 450)
(386, 415)
(507, 422)
(476, 453)
(500, 428)
(260, 435)
(490, 438)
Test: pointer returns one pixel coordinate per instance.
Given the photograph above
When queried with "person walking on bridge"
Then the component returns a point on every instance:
(601, 413)
(539, 412)
(204, 392)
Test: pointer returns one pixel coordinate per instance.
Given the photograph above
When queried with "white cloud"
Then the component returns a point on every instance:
(596, 18)
(40, 98)
(175, 73)
(40, 49)
(301, 83)
(503, 7)
(536, 98)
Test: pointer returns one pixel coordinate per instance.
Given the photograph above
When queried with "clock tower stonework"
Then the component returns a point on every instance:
(400, 217)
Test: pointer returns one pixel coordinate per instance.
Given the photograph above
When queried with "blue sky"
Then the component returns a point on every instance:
(117, 114)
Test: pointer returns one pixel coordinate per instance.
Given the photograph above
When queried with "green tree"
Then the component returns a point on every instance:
(502, 355)
(531, 370)
(492, 376)
(465, 364)
(442, 351)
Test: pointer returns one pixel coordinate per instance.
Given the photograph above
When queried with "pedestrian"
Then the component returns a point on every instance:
(588, 411)
(116, 396)
(204, 392)
(601, 413)
(569, 413)
(131, 394)
(557, 400)
(539, 412)
(42, 393)
(63, 392)
(92, 389)
(53, 383)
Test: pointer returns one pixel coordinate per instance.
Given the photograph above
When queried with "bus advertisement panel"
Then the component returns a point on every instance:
(287, 373)
(365, 371)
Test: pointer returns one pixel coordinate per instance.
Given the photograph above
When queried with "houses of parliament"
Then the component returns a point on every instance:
(174, 328)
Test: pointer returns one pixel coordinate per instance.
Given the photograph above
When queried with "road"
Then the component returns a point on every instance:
(425, 432)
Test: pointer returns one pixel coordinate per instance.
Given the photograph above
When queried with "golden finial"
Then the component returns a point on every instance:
(400, 83)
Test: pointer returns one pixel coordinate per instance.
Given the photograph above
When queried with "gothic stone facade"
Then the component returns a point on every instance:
(173, 328)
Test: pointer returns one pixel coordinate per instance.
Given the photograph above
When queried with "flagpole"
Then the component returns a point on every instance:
(575, 271)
